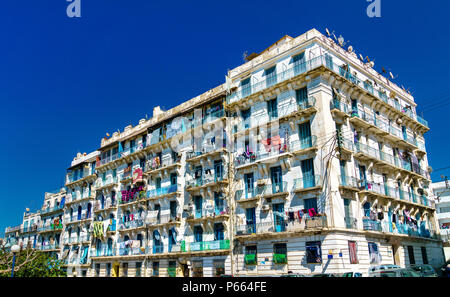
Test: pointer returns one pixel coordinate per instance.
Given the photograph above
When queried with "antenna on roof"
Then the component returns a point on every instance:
(350, 49)
(328, 32)
(383, 70)
(244, 56)
(341, 41)
(392, 76)
(107, 134)
(361, 58)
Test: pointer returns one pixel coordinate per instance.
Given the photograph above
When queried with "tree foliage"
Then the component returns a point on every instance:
(30, 263)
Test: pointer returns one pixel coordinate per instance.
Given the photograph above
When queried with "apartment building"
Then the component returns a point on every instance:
(305, 160)
(442, 193)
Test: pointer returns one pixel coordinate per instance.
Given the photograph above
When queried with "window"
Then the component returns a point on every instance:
(97, 270)
(353, 252)
(83, 273)
(218, 231)
(173, 209)
(250, 257)
(197, 267)
(246, 87)
(155, 268)
(280, 253)
(307, 167)
(412, 260)
(272, 109)
(248, 179)
(108, 269)
(313, 252)
(173, 178)
(304, 135)
(424, 255)
(302, 97)
(138, 268)
(311, 203)
(172, 269)
(374, 254)
(219, 267)
(271, 76)
(125, 269)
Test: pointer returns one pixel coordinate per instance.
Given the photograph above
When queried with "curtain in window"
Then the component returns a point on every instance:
(374, 254)
(353, 252)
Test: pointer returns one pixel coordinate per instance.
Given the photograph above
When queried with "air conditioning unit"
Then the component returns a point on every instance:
(265, 207)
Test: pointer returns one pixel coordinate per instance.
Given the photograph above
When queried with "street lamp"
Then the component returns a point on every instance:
(14, 249)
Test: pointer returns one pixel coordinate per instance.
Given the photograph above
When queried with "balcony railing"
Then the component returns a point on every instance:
(153, 164)
(204, 180)
(380, 155)
(337, 104)
(205, 245)
(350, 223)
(162, 191)
(302, 144)
(205, 149)
(307, 182)
(47, 247)
(282, 225)
(244, 91)
(50, 227)
(51, 209)
(106, 251)
(132, 224)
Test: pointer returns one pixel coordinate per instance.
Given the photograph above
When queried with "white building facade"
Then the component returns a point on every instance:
(306, 160)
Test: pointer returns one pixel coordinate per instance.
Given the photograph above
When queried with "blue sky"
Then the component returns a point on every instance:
(65, 82)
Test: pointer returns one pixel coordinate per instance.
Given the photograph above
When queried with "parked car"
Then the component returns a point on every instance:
(424, 270)
(351, 274)
(294, 275)
(402, 272)
(324, 275)
(445, 269)
(376, 269)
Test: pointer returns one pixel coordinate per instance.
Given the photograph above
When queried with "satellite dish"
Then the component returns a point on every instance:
(335, 38)
(350, 49)
(361, 57)
(328, 32)
(27, 209)
(368, 60)
(383, 70)
(391, 75)
(107, 134)
(341, 40)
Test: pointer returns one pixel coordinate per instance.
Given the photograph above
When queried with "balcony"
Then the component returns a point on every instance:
(299, 146)
(132, 196)
(155, 164)
(298, 68)
(304, 108)
(104, 252)
(206, 150)
(365, 152)
(247, 90)
(108, 205)
(339, 107)
(135, 224)
(72, 179)
(50, 210)
(214, 245)
(371, 225)
(79, 219)
(244, 159)
(79, 239)
(109, 182)
(50, 228)
(162, 192)
(205, 181)
(282, 225)
(157, 220)
(307, 183)
(208, 118)
(49, 247)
